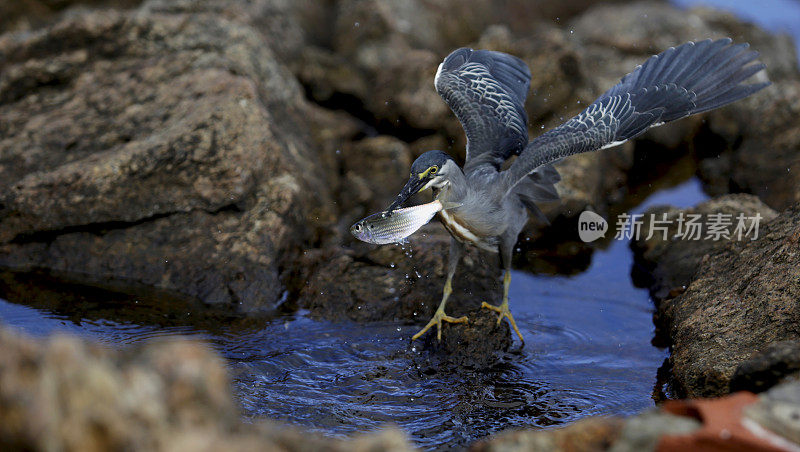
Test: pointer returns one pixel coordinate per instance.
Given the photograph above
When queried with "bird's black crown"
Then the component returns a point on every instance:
(429, 159)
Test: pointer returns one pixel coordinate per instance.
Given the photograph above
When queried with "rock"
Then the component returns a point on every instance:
(741, 421)
(763, 160)
(777, 362)
(389, 282)
(778, 414)
(723, 426)
(670, 261)
(742, 297)
(197, 177)
(591, 434)
(644, 431)
(30, 14)
(66, 394)
(374, 170)
(476, 345)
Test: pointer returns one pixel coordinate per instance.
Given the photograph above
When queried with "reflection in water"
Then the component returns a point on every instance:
(588, 352)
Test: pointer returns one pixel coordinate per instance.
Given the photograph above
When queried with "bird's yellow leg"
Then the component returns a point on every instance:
(503, 308)
(439, 316)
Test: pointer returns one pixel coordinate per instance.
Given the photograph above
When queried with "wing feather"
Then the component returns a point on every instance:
(681, 81)
(486, 90)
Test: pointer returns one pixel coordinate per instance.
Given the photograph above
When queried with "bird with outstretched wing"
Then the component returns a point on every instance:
(488, 206)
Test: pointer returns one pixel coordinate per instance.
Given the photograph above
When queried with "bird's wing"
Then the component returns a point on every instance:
(486, 90)
(681, 81)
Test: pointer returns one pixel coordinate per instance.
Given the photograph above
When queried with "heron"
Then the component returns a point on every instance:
(486, 90)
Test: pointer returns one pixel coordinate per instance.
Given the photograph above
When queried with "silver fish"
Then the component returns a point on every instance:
(382, 228)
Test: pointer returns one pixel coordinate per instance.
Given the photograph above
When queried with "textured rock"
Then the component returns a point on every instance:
(374, 170)
(643, 432)
(740, 421)
(778, 412)
(777, 362)
(590, 434)
(30, 14)
(764, 160)
(476, 345)
(65, 394)
(198, 176)
(672, 262)
(368, 283)
(743, 297)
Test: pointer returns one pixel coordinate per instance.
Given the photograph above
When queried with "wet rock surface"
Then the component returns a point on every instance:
(368, 283)
(479, 344)
(742, 298)
(66, 394)
(585, 435)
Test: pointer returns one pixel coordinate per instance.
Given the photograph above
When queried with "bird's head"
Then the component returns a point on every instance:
(432, 169)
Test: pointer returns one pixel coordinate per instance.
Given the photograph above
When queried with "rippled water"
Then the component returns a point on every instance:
(588, 352)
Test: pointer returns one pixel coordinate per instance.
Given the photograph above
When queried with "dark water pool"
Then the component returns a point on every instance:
(588, 353)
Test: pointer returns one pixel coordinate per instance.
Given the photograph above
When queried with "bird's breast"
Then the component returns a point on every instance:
(463, 233)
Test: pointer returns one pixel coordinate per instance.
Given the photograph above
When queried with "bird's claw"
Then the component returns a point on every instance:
(437, 320)
(504, 312)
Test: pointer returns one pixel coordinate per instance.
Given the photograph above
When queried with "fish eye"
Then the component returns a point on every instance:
(358, 227)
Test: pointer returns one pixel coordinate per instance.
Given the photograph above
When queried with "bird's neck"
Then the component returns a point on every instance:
(453, 191)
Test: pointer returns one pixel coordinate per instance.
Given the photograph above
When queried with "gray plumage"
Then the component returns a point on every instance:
(486, 90)
(681, 81)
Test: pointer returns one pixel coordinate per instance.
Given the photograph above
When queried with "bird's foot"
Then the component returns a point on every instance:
(437, 320)
(504, 312)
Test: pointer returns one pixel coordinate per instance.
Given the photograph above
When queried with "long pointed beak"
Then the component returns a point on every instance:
(412, 187)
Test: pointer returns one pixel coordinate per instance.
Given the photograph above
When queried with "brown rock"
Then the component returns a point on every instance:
(777, 362)
(476, 345)
(743, 296)
(66, 394)
(198, 176)
(374, 170)
(592, 434)
(369, 283)
(764, 160)
(672, 261)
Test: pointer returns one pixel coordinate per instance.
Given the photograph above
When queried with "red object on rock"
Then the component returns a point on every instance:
(722, 428)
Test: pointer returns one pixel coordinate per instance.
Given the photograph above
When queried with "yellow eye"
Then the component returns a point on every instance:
(434, 169)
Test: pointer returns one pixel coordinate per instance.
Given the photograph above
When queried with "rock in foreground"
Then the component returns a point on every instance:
(66, 394)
